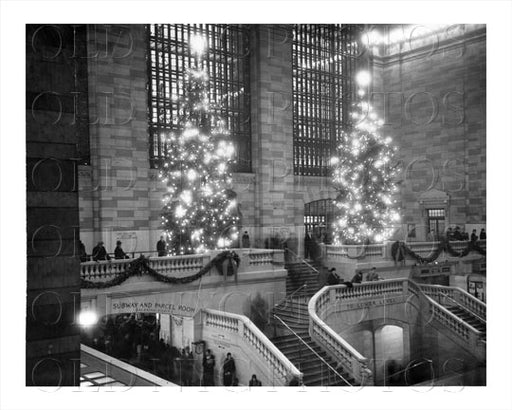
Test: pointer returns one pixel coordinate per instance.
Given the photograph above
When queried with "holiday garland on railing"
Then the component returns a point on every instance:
(141, 266)
(360, 255)
(399, 250)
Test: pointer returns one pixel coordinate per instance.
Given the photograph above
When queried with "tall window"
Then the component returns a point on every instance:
(227, 62)
(323, 66)
(436, 221)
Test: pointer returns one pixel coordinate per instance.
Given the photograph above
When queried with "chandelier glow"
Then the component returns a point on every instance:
(363, 172)
(198, 214)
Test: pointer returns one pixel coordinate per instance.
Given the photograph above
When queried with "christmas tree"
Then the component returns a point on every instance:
(364, 170)
(198, 213)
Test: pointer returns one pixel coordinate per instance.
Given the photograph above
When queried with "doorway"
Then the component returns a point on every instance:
(318, 219)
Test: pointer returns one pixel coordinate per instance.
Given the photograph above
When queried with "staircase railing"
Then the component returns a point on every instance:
(349, 358)
(283, 301)
(470, 337)
(335, 297)
(459, 296)
(301, 260)
(315, 353)
(256, 343)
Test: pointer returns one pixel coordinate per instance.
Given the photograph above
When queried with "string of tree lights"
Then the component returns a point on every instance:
(364, 170)
(198, 213)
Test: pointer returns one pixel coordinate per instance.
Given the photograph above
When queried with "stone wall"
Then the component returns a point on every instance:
(54, 130)
(114, 193)
(435, 111)
(120, 196)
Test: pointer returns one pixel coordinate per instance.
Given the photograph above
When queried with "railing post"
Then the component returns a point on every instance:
(405, 287)
(332, 295)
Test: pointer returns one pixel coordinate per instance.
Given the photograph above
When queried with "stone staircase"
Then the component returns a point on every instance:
(300, 274)
(469, 318)
(296, 344)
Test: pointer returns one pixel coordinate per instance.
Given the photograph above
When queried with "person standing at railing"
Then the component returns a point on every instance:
(483, 235)
(82, 252)
(333, 278)
(228, 370)
(372, 275)
(161, 247)
(119, 253)
(99, 253)
(246, 241)
(307, 246)
(474, 236)
(358, 277)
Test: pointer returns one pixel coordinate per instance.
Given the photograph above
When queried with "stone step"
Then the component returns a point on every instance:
(296, 312)
(298, 356)
(290, 337)
(468, 318)
(326, 380)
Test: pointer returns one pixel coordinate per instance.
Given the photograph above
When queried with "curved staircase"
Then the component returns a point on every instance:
(292, 318)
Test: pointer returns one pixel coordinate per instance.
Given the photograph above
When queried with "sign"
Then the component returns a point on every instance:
(168, 304)
(128, 240)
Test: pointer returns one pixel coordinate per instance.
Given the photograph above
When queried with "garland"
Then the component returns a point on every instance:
(399, 250)
(360, 255)
(141, 266)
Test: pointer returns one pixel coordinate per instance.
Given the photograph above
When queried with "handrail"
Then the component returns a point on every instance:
(465, 294)
(435, 305)
(329, 339)
(305, 285)
(252, 259)
(281, 358)
(302, 260)
(445, 295)
(348, 352)
(310, 348)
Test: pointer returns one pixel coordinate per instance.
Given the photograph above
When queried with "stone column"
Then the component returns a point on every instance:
(119, 176)
(272, 129)
(165, 328)
(53, 267)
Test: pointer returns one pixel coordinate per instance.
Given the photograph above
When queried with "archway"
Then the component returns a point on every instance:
(389, 354)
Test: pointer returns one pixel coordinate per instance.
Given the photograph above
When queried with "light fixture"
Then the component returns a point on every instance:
(363, 78)
(87, 318)
(198, 44)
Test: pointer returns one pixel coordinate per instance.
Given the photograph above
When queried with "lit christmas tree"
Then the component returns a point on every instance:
(364, 170)
(198, 214)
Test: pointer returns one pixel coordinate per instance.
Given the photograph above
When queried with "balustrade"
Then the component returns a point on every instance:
(104, 270)
(348, 357)
(183, 265)
(320, 307)
(254, 340)
(341, 252)
(446, 295)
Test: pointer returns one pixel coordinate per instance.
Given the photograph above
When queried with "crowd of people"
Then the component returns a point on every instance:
(134, 339)
(460, 234)
(99, 252)
(334, 279)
